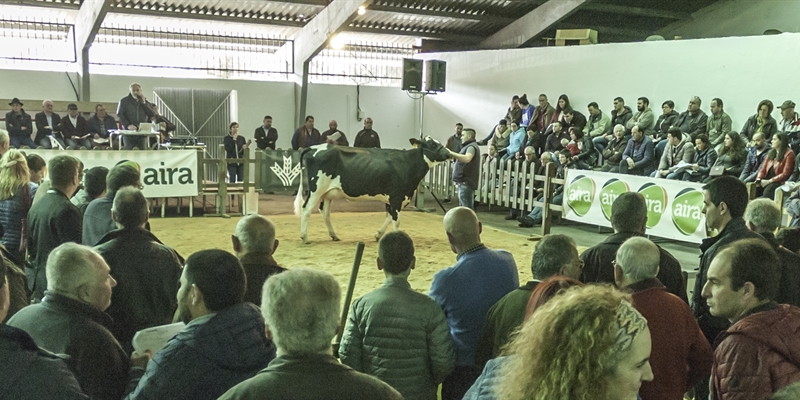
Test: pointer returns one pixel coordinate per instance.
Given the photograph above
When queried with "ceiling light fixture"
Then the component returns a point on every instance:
(362, 10)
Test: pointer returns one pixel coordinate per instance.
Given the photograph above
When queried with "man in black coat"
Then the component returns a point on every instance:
(254, 243)
(46, 121)
(629, 219)
(147, 271)
(53, 220)
(265, 135)
(132, 110)
(19, 126)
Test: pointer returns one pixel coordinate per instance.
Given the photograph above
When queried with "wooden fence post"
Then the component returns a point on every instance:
(549, 174)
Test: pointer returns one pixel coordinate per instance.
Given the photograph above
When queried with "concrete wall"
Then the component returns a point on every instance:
(738, 18)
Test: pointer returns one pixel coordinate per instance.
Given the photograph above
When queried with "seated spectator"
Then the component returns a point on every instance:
(301, 308)
(536, 215)
(757, 151)
(790, 125)
(534, 140)
(790, 392)
(502, 135)
(396, 334)
(254, 243)
(555, 137)
(562, 106)
(16, 197)
(612, 151)
(147, 272)
(19, 126)
(587, 156)
(97, 221)
(732, 156)
(762, 122)
(74, 130)
(99, 124)
(37, 168)
(598, 123)
(619, 116)
(223, 342)
(46, 121)
(542, 116)
(526, 110)
(665, 121)
(515, 141)
(575, 119)
(164, 126)
(19, 295)
(604, 356)
(678, 342)
(70, 320)
(629, 219)
(26, 371)
(639, 156)
(704, 158)
(679, 149)
(643, 118)
(776, 168)
(756, 356)
(693, 121)
(467, 290)
(719, 124)
(5, 142)
(764, 217)
(554, 255)
(789, 238)
(94, 187)
(514, 114)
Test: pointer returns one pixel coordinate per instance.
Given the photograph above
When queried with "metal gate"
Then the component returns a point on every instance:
(202, 113)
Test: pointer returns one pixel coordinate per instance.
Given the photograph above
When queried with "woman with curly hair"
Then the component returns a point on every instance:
(762, 122)
(588, 343)
(16, 194)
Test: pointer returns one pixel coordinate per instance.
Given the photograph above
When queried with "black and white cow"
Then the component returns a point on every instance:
(392, 176)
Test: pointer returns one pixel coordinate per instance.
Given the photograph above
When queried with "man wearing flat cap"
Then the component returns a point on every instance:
(19, 125)
(790, 124)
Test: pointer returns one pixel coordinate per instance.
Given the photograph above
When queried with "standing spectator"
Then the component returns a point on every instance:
(333, 129)
(396, 334)
(762, 122)
(757, 355)
(599, 124)
(704, 158)
(99, 125)
(756, 154)
(301, 308)
(46, 122)
(562, 106)
(612, 152)
(16, 197)
(665, 121)
(621, 113)
(306, 135)
(466, 171)
(254, 243)
(678, 343)
(97, 220)
(629, 219)
(367, 137)
(527, 111)
(732, 156)
(693, 121)
(94, 187)
(132, 110)
(467, 290)
(235, 146)
(53, 220)
(790, 125)
(71, 320)
(223, 342)
(37, 168)
(75, 130)
(776, 168)
(764, 217)
(542, 115)
(554, 255)
(454, 141)
(679, 149)
(639, 156)
(147, 271)
(643, 119)
(265, 135)
(719, 124)
(19, 126)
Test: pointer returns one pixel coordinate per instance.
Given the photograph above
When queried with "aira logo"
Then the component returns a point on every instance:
(687, 210)
(610, 191)
(580, 194)
(656, 198)
(287, 174)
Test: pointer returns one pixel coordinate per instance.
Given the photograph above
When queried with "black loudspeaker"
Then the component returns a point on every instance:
(412, 74)
(435, 75)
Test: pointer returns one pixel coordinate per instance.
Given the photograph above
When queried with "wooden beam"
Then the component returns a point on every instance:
(443, 14)
(532, 24)
(390, 30)
(257, 19)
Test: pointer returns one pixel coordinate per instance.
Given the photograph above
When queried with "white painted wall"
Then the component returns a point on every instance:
(480, 83)
(738, 18)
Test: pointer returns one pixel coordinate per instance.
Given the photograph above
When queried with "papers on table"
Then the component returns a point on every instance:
(155, 338)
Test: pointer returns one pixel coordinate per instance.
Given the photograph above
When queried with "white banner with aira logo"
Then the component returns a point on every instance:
(168, 173)
(675, 208)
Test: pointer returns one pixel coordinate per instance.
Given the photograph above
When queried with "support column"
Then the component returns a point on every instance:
(87, 24)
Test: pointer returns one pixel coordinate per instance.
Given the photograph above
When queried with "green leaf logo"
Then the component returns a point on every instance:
(687, 210)
(656, 198)
(611, 190)
(580, 194)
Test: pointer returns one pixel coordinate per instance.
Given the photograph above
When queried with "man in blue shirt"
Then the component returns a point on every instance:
(467, 290)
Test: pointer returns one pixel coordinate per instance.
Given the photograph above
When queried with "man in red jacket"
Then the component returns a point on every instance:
(760, 352)
(678, 342)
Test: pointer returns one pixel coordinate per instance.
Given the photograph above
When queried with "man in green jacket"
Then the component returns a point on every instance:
(397, 334)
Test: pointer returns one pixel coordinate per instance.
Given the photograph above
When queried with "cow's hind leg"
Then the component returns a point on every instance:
(313, 198)
(385, 224)
(326, 214)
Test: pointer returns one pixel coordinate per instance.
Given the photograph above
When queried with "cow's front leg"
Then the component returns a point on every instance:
(326, 214)
(386, 222)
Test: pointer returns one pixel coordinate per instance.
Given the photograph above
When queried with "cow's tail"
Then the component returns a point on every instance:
(298, 201)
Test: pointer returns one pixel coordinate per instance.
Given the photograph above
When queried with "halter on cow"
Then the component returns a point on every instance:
(392, 176)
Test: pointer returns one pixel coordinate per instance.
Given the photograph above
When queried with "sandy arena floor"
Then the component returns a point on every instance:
(433, 253)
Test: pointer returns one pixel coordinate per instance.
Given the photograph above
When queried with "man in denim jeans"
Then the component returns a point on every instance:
(466, 171)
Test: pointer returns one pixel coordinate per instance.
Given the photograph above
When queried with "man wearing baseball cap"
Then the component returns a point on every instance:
(19, 125)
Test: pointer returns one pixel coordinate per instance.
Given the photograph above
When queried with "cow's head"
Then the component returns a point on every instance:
(432, 150)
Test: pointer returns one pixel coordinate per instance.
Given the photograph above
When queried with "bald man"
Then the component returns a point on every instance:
(254, 243)
(466, 291)
(333, 128)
